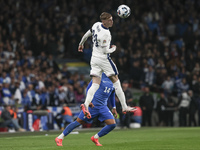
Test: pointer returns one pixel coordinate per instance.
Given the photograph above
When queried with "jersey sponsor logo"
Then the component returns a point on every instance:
(98, 29)
(105, 81)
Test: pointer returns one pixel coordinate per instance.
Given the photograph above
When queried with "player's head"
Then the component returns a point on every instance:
(106, 19)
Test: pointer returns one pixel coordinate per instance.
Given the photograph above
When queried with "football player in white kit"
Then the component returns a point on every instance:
(101, 61)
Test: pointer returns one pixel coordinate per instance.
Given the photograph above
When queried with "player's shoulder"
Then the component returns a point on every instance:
(96, 24)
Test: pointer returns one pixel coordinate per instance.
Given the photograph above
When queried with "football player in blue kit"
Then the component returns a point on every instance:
(98, 108)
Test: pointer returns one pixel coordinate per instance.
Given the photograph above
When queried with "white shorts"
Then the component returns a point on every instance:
(100, 65)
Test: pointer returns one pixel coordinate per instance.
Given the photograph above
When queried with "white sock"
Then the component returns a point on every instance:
(96, 136)
(61, 136)
(120, 94)
(90, 94)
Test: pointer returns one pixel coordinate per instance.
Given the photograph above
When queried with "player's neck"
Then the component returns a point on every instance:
(104, 26)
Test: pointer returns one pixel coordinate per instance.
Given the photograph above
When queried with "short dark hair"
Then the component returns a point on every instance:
(105, 16)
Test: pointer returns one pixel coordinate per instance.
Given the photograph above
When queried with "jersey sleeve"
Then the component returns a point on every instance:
(85, 37)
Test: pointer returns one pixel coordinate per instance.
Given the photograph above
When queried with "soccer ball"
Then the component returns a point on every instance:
(123, 11)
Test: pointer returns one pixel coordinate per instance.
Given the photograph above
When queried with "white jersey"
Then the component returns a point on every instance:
(101, 38)
(100, 60)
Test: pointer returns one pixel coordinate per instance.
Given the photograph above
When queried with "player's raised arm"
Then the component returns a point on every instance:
(84, 38)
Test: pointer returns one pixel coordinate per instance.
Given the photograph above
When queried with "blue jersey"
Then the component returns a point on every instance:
(105, 92)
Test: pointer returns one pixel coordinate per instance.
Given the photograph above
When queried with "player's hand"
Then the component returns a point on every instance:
(91, 105)
(114, 111)
(80, 48)
(113, 46)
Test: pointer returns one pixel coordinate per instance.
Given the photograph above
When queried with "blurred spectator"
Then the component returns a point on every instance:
(161, 75)
(125, 119)
(193, 107)
(196, 68)
(44, 98)
(190, 62)
(160, 64)
(79, 95)
(171, 29)
(30, 92)
(36, 101)
(136, 73)
(66, 115)
(53, 98)
(17, 93)
(136, 117)
(169, 110)
(65, 72)
(183, 86)
(167, 86)
(193, 80)
(183, 106)
(9, 120)
(6, 93)
(26, 99)
(1, 94)
(150, 77)
(22, 85)
(71, 99)
(41, 84)
(62, 94)
(161, 109)
(146, 102)
(196, 88)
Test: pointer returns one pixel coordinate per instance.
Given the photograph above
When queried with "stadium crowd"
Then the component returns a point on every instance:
(158, 47)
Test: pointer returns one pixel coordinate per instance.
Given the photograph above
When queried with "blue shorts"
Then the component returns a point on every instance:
(102, 112)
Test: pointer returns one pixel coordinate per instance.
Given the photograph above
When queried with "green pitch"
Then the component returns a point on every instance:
(127, 139)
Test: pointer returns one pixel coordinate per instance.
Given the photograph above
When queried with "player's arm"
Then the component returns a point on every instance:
(105, 45)
(84, 38)
(111, 49)
(112, 101)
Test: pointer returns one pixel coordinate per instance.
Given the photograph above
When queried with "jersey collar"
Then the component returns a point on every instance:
(104, 27)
